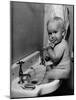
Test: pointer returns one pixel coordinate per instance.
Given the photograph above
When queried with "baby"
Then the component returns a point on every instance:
(58, 51)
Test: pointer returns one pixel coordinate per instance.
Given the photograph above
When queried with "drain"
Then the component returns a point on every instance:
(34, 82)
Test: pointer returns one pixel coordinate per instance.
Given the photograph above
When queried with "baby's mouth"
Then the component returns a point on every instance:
(53, 40)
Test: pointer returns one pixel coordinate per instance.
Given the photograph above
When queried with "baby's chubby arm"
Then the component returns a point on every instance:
(56, 53)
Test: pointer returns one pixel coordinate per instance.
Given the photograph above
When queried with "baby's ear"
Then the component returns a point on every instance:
(63, 34)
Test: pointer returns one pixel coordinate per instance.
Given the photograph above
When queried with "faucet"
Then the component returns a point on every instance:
(42, 61)
(42, 57)
(20, 72)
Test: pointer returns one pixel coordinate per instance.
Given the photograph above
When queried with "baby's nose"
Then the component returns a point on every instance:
(53, 35)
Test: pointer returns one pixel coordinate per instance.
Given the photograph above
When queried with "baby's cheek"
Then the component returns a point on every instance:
(50, 37)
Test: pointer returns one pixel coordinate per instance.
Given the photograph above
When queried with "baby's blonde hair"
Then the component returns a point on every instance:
(59, 21)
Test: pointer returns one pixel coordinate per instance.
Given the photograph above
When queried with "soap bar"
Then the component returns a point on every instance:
(28, 86)
(32, 87)
(34, 81)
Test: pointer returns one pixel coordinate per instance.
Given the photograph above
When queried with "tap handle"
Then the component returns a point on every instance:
(27, 75)
(42, 61)
(20, 62)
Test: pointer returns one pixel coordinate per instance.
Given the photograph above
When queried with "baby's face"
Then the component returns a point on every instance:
(54, 32)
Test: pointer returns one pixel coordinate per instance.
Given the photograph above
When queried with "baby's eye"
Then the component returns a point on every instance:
(55, 31)
(49, 33)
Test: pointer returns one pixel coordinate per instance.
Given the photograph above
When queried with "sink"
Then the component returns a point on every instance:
(18, 90)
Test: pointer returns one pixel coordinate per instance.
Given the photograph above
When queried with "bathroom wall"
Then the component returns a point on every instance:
(26, 29)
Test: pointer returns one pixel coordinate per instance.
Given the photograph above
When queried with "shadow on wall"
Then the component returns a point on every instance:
(70, 38)
(68, 33)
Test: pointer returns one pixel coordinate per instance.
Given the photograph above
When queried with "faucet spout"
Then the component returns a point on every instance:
(42, 57)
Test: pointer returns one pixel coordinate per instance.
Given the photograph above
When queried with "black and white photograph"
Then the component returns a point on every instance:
(41, 49)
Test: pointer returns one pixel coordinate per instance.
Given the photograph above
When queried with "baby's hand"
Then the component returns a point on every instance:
(51, 45)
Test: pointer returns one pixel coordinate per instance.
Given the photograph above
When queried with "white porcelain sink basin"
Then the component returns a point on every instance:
(40, 89)
(18, 91)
